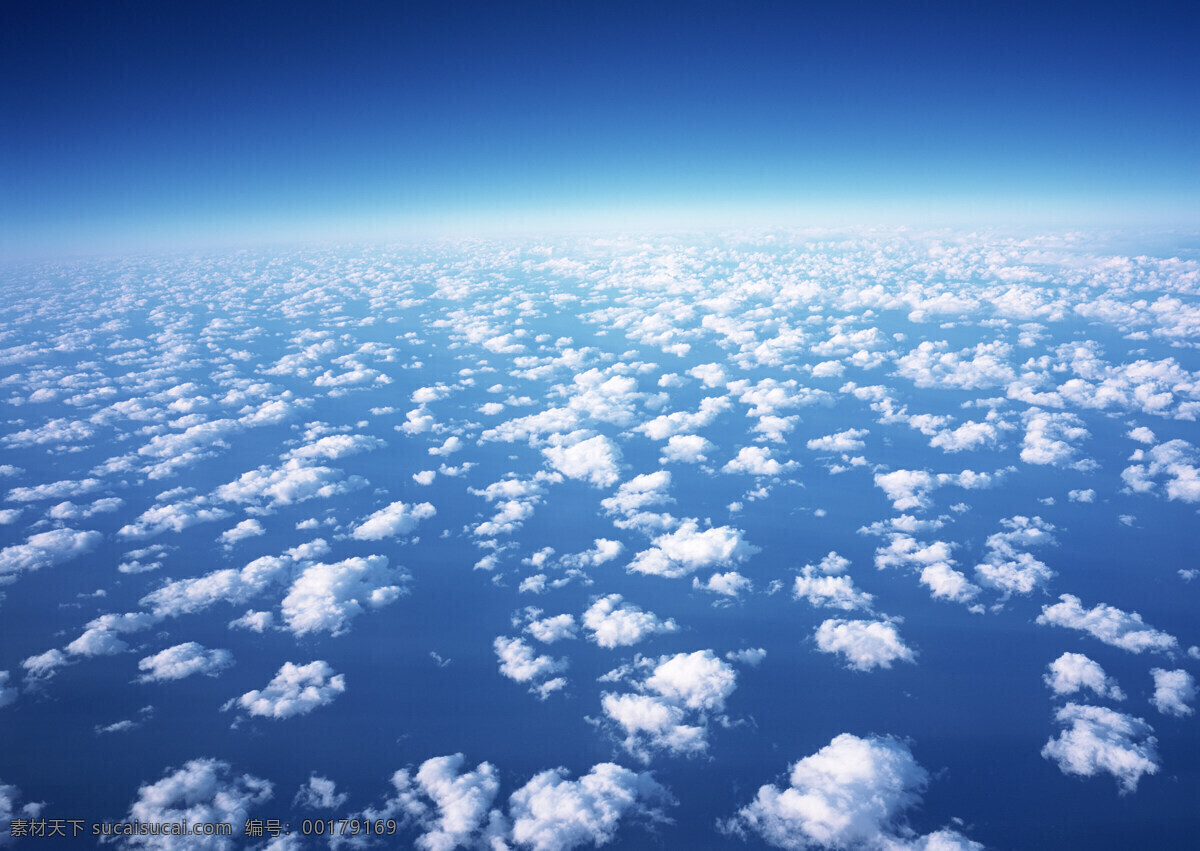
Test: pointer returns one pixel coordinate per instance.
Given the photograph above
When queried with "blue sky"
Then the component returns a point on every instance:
(143, 124)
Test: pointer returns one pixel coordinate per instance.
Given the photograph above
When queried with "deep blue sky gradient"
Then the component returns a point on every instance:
(129, 123)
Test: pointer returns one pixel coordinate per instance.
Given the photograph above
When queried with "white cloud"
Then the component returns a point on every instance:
(638, 493)
(852, 793)
(728, 584)
(603, 551)
(595, 459)
(521, 663)
(549, 630)
(1008, 568)
(843, 441)
(1142, 435)
(43, 666)
(202, 792)
(1176, 461)
(834, 592)
(1099, 739)
(969, 435)
(698, 680)
(183, 660)
(399, 518)
(907, 489)
(552, 813)
(752, 656)
(1073, 672)
(334, 446)
(685, 686)
(687, 550)
(172, 517)
(910, 489)
(326, 597)
(54, 490)
(294, 690)
(931, 365)
(1049, 437)
(1173, 692)
(1121, 629)
(1088, 495)
(453, 807)
(686, 448)
(450, 805)
(185, 596)
(253, 621)
(613, 623)
(755, 461)
(320, 793)
(864, 644)
(8, 694)
(290, 483)
(679, 422)
(246, 529)
(946, 583)
(45, 549)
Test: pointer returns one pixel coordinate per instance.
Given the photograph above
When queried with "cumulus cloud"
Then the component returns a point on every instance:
(671, 711)
(184, 660)
(755, 461)
(603, 551)
(552, 629)
(202, 791)
(930, 364)
(553, 813)
(290, 483)
(294, 690)
(521, 663)
(729, 584)
(1050, 438)
(843, 441)
(8, 694)
(595, 459)
(614, 623)
(687, 550)
(453, 807)
(246, 529)
(752, 656)
(1176, 462)
(865, 645)
(686, 448)
(45, 549)
(320, 793)
(54, 490)
(399, 518)
(1098, 739)
(1073, 672)
(969, 435)
(637, 494)
(334, 446)
(910, 489)
(172, 517)
(821, 589)
(327, 597)
(1121, 629)
(1008, 568)
(1173, 692)
(852, 793)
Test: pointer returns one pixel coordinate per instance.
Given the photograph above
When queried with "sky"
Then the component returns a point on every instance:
(137, 125)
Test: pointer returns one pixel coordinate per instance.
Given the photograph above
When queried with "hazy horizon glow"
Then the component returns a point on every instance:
(148, 127)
